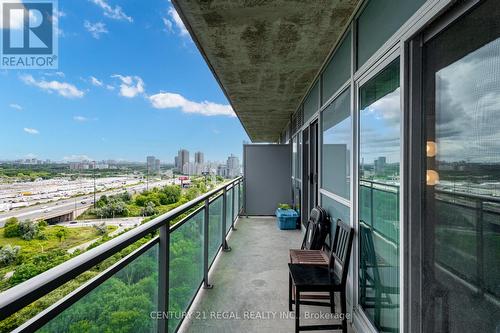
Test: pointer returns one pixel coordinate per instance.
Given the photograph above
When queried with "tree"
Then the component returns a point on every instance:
(11, 228)
(28, 230)
(101, 229)
(192, 193)
(172, 194)
(8, 254)
(149, 210)
(61, 233)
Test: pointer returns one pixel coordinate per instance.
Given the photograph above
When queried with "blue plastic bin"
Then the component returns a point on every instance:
(286, 219)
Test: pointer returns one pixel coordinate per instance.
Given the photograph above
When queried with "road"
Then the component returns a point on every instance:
(64, 206)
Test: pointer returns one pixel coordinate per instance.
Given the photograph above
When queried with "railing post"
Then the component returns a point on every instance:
(232, 209)
(225, 247)
(372, 219)
(163, 277)
(206, 219)
(479, 245)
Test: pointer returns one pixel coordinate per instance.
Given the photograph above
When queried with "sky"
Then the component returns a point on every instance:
(130, 83)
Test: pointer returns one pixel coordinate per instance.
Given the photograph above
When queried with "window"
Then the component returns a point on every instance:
(387, 16)
(461, 206)
(379, 160)
(294, 157)
(311, 104)
(338, 70)
(336, 146)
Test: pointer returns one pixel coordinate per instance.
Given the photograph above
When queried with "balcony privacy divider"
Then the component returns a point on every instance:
(170, 269)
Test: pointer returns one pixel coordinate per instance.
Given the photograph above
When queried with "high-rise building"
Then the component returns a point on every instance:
(199, 158)
(233, 166)
(151, 164)
(182, 159)
(157, 166)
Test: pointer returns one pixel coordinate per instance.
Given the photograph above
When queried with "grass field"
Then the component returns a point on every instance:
(74, 236)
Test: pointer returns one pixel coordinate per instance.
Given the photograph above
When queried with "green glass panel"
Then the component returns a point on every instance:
(123, 303)
(214, 228)
(186, 266)
(311, 103)
(338, 70)
(379, 20)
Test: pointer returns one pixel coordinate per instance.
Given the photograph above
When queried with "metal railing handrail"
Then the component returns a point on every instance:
(23, 294)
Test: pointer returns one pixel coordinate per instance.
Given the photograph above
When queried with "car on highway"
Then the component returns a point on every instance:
(83, 202)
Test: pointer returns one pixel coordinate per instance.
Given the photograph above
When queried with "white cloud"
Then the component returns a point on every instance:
(169, 27)
(80, 119)
(130, 86)
(112, 12)
(96, 82)
(16, 106)
(174, 101)
(55, 18)
(95, 29)
(174, 16)
(110, 87)
(76, 158)
(31, 130)
(62, 88)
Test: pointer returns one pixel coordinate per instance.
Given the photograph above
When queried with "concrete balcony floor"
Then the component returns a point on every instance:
(250, 291)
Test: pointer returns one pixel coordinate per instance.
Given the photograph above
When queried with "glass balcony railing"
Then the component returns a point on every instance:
(467, 233)
(148, 290)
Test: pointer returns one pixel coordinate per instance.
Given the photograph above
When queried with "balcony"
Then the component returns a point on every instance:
(251, 281)
(162, 282)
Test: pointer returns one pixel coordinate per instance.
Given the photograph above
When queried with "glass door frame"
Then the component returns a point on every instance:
(415, 173)
(358, 313)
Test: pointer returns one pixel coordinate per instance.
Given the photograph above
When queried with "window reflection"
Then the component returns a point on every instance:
(462, 216)
(336, 148)
(379, 161)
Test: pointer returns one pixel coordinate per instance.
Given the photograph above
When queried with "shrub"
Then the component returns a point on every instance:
(61, 233)
(42, 224)
(149, 210)
(11, 228)
(28, 230)
(8, 254)
(101, 229)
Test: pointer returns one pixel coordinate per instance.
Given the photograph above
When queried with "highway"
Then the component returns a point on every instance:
(65, 206)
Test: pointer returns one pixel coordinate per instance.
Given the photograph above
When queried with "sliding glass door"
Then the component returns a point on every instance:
(461, 199)
(378, 202)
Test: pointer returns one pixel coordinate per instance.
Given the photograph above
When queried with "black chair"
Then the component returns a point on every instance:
(318, 227)
(376, 275)
(331, 279)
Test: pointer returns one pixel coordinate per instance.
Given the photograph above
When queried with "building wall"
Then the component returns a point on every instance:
(370, 69)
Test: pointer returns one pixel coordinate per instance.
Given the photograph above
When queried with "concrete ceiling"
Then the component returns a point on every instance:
(265, 53)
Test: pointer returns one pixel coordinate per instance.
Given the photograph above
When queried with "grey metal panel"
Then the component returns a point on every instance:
(267, 172)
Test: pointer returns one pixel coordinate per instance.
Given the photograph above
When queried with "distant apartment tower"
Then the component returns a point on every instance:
(153, 165)
(222, 171)
(182, 160)
(233, 166)
(199, 158)
(157, 166)
(380, 164)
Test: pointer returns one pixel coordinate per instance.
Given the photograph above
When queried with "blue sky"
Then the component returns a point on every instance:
(130, 83)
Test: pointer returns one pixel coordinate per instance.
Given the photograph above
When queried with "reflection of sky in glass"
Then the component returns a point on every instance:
(468, 107)
(380, 129)
(337, 146)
